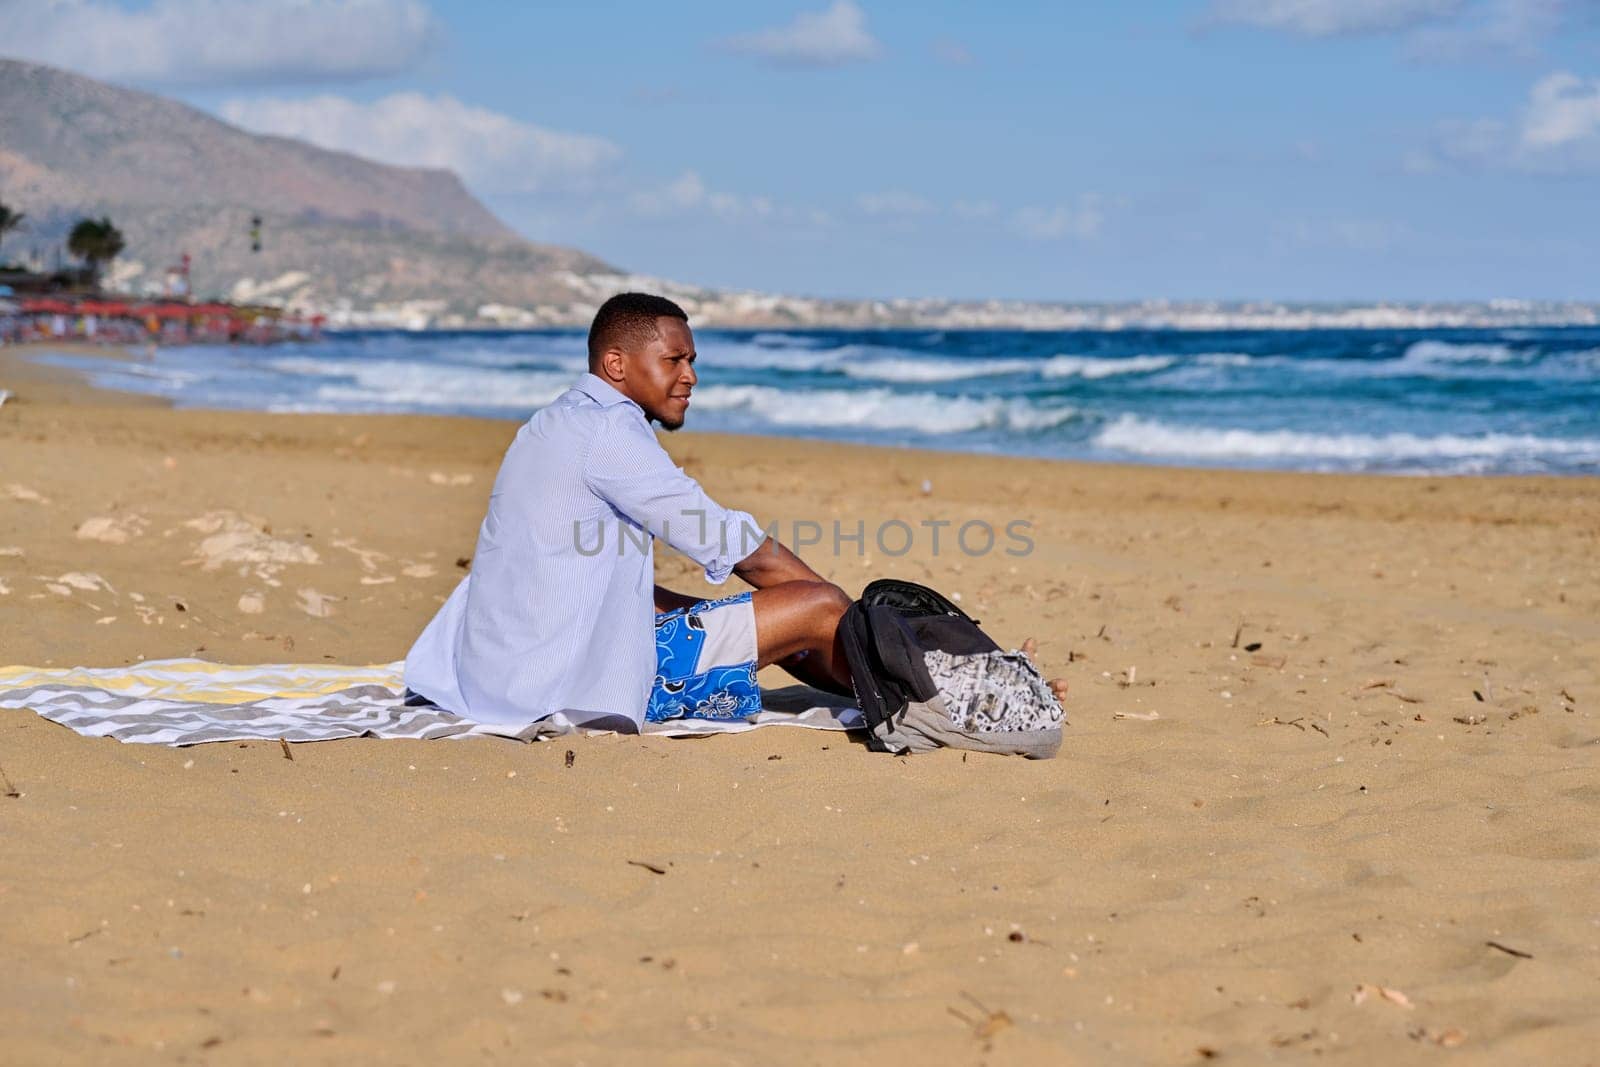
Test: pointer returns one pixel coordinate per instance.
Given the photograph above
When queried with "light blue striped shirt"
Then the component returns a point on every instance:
(558, 612)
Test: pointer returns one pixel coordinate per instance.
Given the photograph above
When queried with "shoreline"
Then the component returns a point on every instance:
(65, 385)
(47, 384)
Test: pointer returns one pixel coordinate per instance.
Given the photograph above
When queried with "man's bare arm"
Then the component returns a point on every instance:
(771, 564)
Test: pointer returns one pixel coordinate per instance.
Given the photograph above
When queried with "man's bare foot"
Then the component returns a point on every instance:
(1058, 686)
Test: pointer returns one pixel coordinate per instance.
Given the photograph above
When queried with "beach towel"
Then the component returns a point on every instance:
(189, 702)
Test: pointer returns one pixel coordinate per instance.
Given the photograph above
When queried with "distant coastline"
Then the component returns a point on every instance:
(723, 309)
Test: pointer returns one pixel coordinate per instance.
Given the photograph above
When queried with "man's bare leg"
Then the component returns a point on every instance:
(797, 627)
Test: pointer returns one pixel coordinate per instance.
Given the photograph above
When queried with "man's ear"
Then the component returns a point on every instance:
(613, 365)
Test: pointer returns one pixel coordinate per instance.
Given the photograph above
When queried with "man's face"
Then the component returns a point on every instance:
(661, 374)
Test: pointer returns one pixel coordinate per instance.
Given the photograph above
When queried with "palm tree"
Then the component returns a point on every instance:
(97, 242)
(9, 220)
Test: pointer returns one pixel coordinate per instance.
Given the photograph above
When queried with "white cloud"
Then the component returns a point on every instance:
(828, 38)
(1557, 132)
(1451, 30)
(1562, 110)
(688, 194)
(894, 202)
(1331, 18)
(493, 153)
(221, 42)
(1492, 27)
(1059, 222)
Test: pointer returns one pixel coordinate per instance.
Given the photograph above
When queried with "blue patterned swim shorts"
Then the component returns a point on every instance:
(706, 662)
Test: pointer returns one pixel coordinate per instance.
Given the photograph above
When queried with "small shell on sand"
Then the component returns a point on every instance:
(235, 538)
(252, 603)
(111, 531)
(318, 605)
(89, 583)
(17, 491)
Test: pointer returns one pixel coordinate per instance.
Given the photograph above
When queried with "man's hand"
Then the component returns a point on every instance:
(772, 564)
(667, 600)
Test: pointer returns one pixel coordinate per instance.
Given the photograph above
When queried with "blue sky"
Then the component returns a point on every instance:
(1287, 149)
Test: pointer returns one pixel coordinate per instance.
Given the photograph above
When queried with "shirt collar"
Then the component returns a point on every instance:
(601, 391)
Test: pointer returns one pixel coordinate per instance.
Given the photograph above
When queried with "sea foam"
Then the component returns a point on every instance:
(909, 370)
(1456, 352)
(386, 384)
(1093, 367)
(877, 410)
(1149, 437)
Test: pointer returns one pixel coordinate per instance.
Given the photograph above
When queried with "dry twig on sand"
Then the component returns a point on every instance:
(1299, 723)
(991, 1022)
(1509, 951)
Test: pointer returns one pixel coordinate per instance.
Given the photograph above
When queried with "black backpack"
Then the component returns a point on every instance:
(926, 676)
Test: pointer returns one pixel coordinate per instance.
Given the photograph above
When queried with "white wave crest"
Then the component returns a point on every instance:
(934, 370)
(401, 384)
(796, 358)
(774, 339)
(1450, 352)
(1145, 437)
(1093, 367)
(319, 368)
(879, 409)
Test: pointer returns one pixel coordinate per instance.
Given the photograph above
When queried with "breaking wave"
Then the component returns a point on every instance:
(876, 410)
(1093, 367)
(1154, 438)
(1453, 352)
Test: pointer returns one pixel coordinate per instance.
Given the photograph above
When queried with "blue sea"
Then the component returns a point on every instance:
(1454, 401)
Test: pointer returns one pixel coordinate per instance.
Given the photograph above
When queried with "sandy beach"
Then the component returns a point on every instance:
(1329, 788)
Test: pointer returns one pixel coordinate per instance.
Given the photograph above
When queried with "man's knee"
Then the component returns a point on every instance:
(827, 597)
(827, 603)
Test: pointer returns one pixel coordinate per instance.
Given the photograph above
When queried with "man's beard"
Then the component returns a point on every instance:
(669, 425)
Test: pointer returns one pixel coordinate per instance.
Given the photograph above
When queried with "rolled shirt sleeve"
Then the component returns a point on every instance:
(627, 467)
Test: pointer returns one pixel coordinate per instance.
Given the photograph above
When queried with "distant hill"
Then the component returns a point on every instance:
(337, 228)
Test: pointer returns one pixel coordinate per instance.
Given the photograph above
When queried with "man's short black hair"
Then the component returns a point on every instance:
(628, 320)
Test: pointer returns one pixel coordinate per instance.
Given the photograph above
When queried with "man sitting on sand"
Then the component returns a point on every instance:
(560, 613)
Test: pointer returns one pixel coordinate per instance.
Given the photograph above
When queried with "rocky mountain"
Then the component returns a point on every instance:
(337, 230)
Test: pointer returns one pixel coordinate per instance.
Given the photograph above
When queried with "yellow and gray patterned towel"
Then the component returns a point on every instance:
(190, 702)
